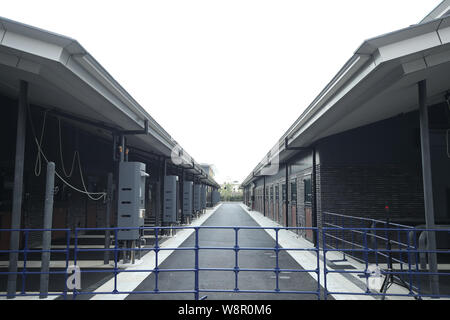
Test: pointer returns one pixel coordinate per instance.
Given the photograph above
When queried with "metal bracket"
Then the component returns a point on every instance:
(134, 132)
(286, 146)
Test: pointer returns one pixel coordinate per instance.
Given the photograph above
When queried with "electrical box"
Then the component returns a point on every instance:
(203, 197)
(131, 196)
(170, 199)
(197, 197)
(187, 198)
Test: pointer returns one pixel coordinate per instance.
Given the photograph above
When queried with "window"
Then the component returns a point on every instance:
(277, 192)
(294, 191)
(283, 188)
(308, 190)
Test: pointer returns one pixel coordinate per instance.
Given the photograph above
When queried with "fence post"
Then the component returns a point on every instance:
(47, 234)
(156, 269)
(68, 236)
(116, 257)
(277, 267)
(109, 199)
(75, 258)
(366, 258)
(325, 271)
(409, 263)
(416, 260)
(236, 263)
(25, 255)
(318, 262)
(196, 285)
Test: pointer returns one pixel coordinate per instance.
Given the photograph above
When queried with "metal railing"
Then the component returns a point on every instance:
(72, 253)
(344, 230)
(404, 272)
(395, 248)
(24, 235)
(396, 260)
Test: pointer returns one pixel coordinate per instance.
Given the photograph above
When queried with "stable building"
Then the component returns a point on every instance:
(375, 138)
(59, 105)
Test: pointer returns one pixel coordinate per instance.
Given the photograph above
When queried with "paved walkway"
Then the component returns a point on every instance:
(229, 215)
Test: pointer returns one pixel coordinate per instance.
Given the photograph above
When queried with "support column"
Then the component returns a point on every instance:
(264, 196)
(162, 173)
(109, 200)
(287, 195)
(181, 195)
(428, 186)
(47, 235)
(18, 187)
(314, 195)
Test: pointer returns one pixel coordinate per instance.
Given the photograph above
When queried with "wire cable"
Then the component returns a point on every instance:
(446, 139)
(38, 163)
(68, 175)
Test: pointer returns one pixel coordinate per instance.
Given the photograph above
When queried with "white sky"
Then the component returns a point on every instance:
(226, 79)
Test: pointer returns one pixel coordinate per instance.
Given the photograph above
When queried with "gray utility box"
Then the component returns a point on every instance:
(187, 198)
(197, 197)
(131, 209)
(203, 196)
(170, 199)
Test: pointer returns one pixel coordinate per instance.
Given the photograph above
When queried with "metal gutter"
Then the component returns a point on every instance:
(367, 58)
(72, 56)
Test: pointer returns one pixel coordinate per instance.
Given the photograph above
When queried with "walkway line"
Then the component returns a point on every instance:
(308, 260)
(129, 281)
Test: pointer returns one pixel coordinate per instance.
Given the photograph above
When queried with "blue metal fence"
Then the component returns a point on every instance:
(394, 248)
(398, 259)
(400, 266)
(156, 248)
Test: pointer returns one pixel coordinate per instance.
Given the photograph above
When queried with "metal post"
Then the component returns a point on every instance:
(47, 234)
(18, 187)
(264, 196)
(181, 195)
(287, 195)
(109, 198)
(122, 159)
(162, 177)
(196, 267)
(193, 197)
(428, 186)
(314, 192)
(158, 194)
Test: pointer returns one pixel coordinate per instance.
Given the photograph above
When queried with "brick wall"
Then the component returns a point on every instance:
(363, 190)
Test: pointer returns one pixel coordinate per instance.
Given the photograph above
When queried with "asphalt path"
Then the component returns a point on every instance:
(229, 215)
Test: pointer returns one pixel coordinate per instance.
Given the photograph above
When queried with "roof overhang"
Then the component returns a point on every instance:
(378, 82)
(62, 75)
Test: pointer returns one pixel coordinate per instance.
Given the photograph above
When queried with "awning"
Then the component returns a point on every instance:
(378, 82)
(64, 76)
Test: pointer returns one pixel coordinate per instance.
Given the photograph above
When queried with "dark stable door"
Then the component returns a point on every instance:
(308, 208)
